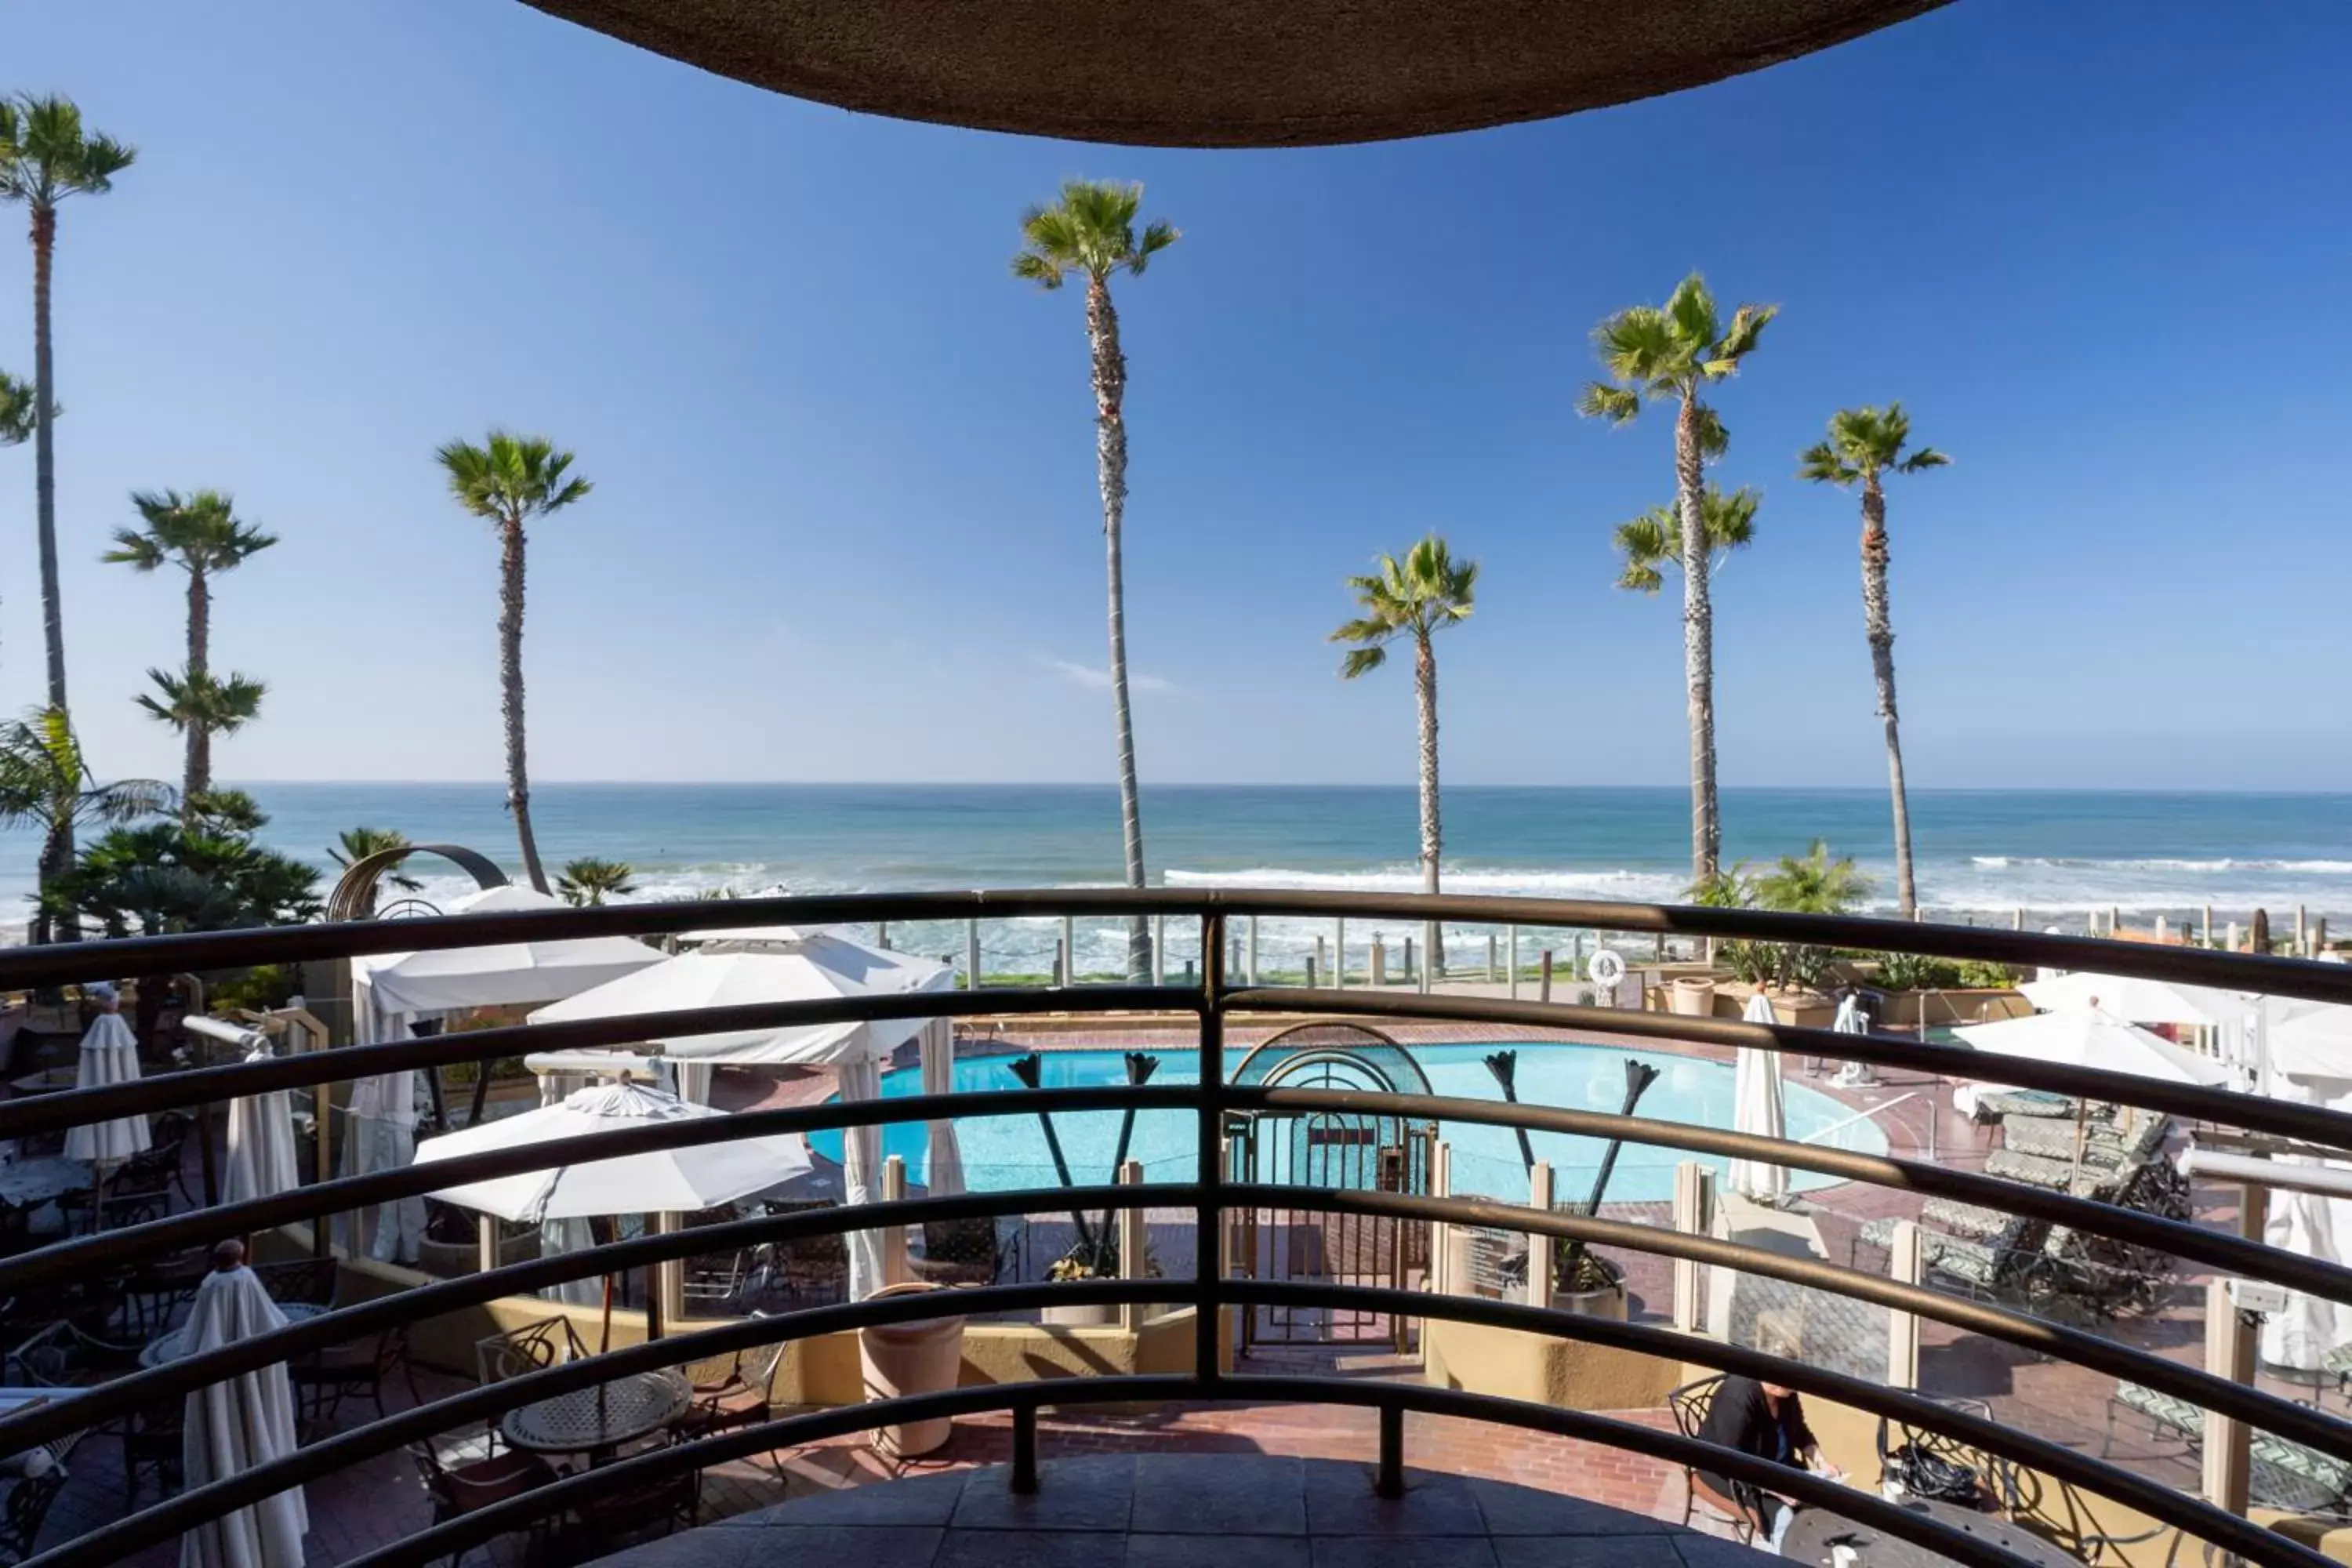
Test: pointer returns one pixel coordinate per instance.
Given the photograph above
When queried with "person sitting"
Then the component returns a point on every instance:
(1769, 1421)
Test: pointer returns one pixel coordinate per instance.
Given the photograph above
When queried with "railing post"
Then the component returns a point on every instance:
(895, 1270)
(971, 955)
(1491, 941)
(1388, 1481)
(486, 1242)
(1539, 1247)
(1377, 972)
(1514, 964)
(1251, 968)
(1134, 1247)
(2228, 1353)
(1159, 949)
(1543, 981)
(2301, 932)
(1904, 1266)
(1069, 951)
(1693, 1215)
(1024, 1479)
(1441, 1235)
(1339, 954)
(1209, 1219)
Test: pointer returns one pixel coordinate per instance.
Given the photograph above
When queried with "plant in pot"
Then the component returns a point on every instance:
(1584, 1281)
(1097, 1259)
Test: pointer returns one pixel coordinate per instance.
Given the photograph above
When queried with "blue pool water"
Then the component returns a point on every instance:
(1002, 1153)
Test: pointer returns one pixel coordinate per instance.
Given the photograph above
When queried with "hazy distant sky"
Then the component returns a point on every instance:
(844, 524)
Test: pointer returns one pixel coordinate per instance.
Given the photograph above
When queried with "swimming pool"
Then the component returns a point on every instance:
(1004, 1152)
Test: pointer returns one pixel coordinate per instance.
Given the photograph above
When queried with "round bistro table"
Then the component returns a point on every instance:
(1814, 1532)
(595, 1421)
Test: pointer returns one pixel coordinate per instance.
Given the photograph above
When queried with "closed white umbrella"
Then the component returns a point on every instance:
(260, 1143)
(2304, 1224)
(110, 1054)
(823, 966)
(2140, 1001)
(664, 1181)
(1758, 1108)
(943, 1154)
(240, 1424)
(861, 1170)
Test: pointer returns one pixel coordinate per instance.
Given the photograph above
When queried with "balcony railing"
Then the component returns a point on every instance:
(1211, 1195)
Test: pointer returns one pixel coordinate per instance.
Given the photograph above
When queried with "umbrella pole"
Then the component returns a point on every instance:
(604, 1334)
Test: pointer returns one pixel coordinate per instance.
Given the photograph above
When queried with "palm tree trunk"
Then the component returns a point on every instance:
(1698, 646)
(1110, 464)
(197, 769)
(1433, 832)
(57, 855)
(511, 563)
(1878, 621)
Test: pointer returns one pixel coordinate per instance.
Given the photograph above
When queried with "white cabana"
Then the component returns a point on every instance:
(110, 1054)
(390, 991)
(2093, 1037)
(1758, 1108)
(664, 1181)
(260, 1144)
(824, 966)
(238, 1425)
(2140, 1001)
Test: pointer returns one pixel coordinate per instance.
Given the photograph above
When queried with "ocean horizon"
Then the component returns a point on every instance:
(1983, 854)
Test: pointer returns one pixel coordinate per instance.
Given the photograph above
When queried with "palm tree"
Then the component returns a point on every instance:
(45, 157)
(1417, 597)
(202, 533)
(1650, 353)
(1091, 232)
(511, 480)
(589, 881)
(1864, 446)
(1654, 541)
(45, 781)
(17, 420)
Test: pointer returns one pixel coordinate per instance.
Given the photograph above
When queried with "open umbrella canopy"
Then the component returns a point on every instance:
(2093, 1037)
(663, 1182)
(1758, 1107)
(2140, 1000)
(2308, 1039)
(823, 966)
(511, 973)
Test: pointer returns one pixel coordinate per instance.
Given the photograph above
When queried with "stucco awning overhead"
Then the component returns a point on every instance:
(1232, 73)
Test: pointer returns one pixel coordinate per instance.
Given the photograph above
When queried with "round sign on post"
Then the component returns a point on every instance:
(1608, 972)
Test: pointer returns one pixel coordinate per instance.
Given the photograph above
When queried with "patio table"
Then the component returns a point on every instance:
(1815, 1532)
(581, 1421)
(27, 1182)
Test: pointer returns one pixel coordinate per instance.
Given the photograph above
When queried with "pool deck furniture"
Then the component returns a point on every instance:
(2287, 1475)
(596, 1421)
(1814, 1533)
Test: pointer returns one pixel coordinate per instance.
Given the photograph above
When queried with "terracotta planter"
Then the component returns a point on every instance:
(921, 1357)
(1692, 996)
(1803, 1009)
(1092, 1315)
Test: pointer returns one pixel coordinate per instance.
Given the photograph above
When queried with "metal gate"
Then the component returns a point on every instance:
(1331, 1150)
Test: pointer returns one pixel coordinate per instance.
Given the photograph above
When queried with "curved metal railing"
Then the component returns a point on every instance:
(1211, 1195)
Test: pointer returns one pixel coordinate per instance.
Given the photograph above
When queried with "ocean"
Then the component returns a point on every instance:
(2058, 855)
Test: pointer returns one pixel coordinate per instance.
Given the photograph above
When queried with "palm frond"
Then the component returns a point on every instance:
(1822, 464)
(1362, 661)
(510, 478)
(1747, 324)
(1714, 437)
(1926, 458)
(19, 419)
(1691, 309)
(1615, 404)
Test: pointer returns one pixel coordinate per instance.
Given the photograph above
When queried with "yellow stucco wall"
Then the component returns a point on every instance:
(1516, 1364)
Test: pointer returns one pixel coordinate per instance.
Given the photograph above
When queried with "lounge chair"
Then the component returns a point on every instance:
(2001, 1104)
(2283, 1474)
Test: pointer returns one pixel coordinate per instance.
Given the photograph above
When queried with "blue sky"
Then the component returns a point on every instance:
(844, 524)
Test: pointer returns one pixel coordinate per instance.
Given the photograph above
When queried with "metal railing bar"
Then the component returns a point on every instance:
(2258, 1112)
(2302, 1423)
(83, 1254)
(474, 1529)
(231, 1080)
(38, 1424)
(2102, 1476)
(169, 1517)
(2220, 1249)
(1209, 1171)
(29, 966)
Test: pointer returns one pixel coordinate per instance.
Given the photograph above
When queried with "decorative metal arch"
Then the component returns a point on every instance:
(1372, 1056)
(354, 895)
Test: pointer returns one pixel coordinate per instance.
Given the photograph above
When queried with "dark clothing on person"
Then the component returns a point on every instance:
(1741, 1416)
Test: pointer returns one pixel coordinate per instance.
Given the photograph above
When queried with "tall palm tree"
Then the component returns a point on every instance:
(590, 881)
(1090, 232)
(45, 155)
(201, 533)
(1866, 445)
(1417, 597)
(45, 781)
(1651, 353)
(512, 480)
(1654, 541)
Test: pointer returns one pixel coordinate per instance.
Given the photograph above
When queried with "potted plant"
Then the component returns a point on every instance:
(1584, 1281)
(925, 1356)
(1098, 1262)
(1692, 995)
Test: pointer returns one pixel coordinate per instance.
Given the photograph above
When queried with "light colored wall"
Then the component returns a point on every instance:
(1515, 1365)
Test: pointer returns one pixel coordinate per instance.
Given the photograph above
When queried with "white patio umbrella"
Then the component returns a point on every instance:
(2312, 1227)
(1758, 1108)
(2140, 1001)
(110, 1054)
(2309, 1039)
(260, 1143)
(2093, 1037)
(821, 967)
(240, 1424)
(664, 1181)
